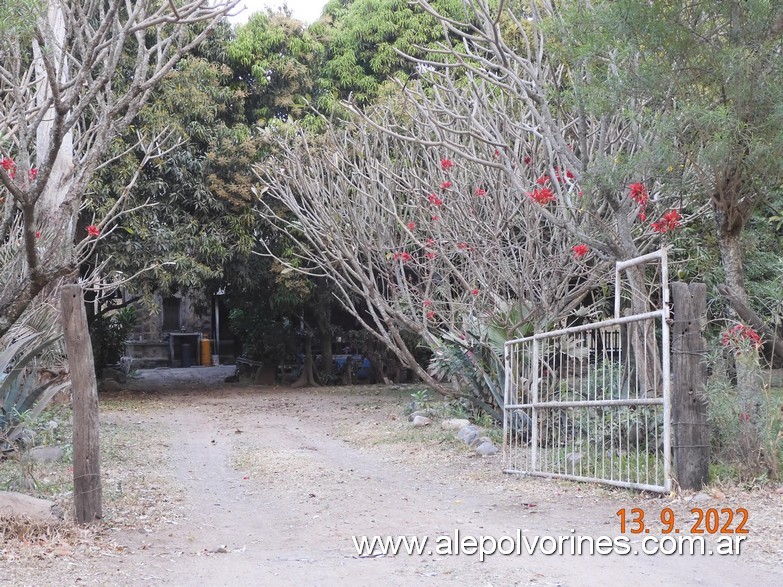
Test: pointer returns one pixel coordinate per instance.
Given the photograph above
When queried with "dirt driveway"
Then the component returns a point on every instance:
(266, 486)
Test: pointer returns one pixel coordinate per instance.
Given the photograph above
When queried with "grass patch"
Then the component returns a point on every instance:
(135, 480)
(51, 480)
(407, 434)
(740, 452)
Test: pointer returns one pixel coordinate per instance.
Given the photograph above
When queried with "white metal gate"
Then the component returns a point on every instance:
(591, 402)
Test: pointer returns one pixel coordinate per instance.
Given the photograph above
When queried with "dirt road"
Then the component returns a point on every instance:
(268, 486)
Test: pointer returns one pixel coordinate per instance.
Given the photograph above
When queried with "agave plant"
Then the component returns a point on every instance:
(27, 384)
(473, 357)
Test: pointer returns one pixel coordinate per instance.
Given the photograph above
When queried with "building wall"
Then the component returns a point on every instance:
(149, 343)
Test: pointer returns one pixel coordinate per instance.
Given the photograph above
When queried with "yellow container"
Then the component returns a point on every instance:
(206, 352)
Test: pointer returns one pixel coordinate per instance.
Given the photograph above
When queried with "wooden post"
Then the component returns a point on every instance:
(691, 443)
(86, 449)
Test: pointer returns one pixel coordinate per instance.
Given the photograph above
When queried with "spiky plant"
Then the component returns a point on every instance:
(31, 373)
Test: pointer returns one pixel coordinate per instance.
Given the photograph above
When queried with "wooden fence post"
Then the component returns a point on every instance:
(86, 448)
(691, 442)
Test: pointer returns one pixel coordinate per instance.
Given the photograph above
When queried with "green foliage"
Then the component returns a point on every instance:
(706, 76)
(17, 17)
(193, 207)
(108, 333)
(421, 397)
(474, 356)
(277, 59)
(364, 39)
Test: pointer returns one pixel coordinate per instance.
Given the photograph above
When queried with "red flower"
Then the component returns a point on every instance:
(639, 194)
(580, 251)
(542, 196)
(672, 217)
(93, 230)
(480, 192)
(446, 164)
(670, 221)
(446, 185)
(570, 174)
(543, 180)
(474, 291)
(740, 337)
(497, 153)
(435, 218)
(32, 174)
(434, 200)
(430, 242)
(427, 303)
(642, 216)
(431, 255)
(527, 160)
(8, 166)
(37, 234)
(430, 315)
(462, 246)
(412, 225)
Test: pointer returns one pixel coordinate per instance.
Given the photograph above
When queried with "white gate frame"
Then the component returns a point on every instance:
(534, 405)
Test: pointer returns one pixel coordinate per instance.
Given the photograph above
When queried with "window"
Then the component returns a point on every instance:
(171, 314)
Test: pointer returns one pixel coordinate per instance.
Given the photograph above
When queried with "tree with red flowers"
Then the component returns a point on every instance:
(73, 76)
(560, 178)
(413, 246)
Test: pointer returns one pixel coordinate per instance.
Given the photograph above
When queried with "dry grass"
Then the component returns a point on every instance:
(138, 493)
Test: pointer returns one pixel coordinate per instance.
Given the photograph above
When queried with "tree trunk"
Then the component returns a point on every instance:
(325, 331)
(57, 187)
(646, 360)
(749, 381)
(307, 379)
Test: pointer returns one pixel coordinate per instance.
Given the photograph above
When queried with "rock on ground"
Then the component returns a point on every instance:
(46, 454)
(454, 424)
(18, 505)
(420, 421)
(486, 449)
(468, 434)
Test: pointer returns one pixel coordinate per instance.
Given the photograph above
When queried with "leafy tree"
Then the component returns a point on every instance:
(276, 58)
(367, 40)
(709, 79)
(191, 209)
(109, 332)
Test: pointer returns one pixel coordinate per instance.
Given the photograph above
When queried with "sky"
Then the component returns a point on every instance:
(304, 10)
